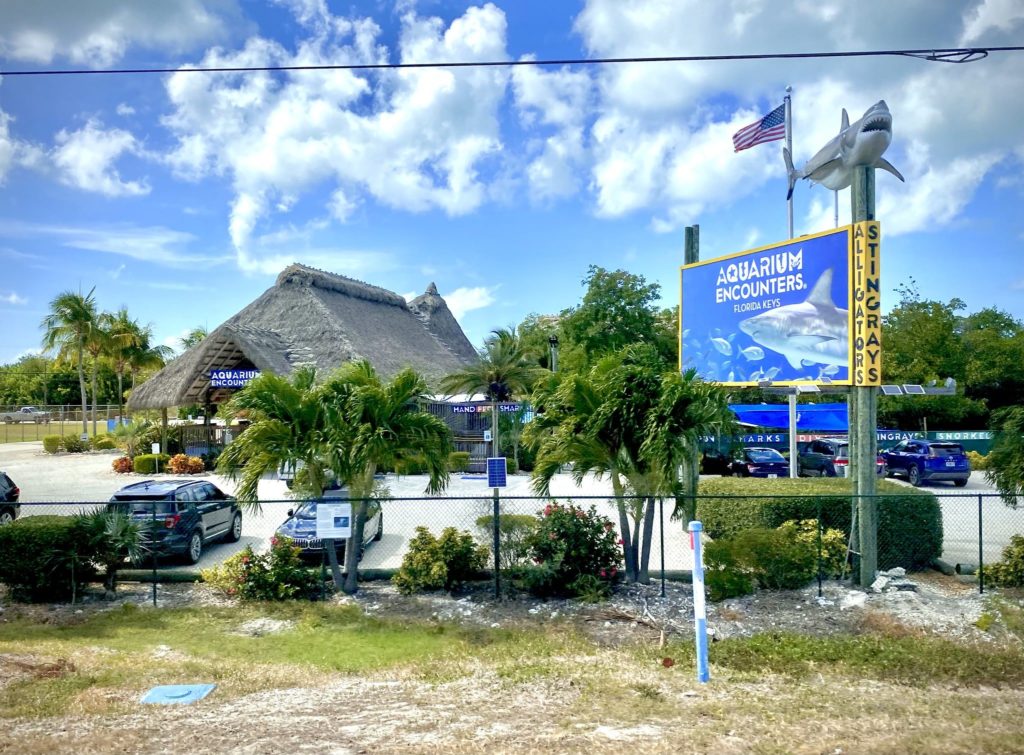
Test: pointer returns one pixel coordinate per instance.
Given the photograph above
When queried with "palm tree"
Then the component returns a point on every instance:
(144, 355)
(125, 335)
(633, 421)
(376, 423)
(67, 328)
(505, 369)
(193, 338)
(98, 342)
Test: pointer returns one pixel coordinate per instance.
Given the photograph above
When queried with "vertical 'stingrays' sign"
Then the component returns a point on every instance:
(867, 307)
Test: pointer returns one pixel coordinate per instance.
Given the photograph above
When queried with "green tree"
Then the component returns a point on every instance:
(1006, 459)
(145, 355)
(67, 328)
(504, 370)
(618, 309)
(193, 338)
(634, 421)
(125, 335)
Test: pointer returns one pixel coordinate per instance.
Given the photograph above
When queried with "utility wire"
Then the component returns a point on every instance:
(937, 55)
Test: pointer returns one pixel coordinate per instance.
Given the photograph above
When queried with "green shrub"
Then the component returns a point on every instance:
(410, 465)
(724, 573)
(510, 465)
(570, 543)
(74, 444)
(110, 539)
(43, 558)
(909, 520)
(514, 532)
(458, 461)
(1008, 572)
(102, 443)
(278, 574)
(435, 563)
(146, 463)
(51, 443)
(979, 462)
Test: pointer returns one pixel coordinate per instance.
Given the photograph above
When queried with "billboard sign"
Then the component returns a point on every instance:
(781, 314)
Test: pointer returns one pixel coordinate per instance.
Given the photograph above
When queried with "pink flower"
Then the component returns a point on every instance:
(273, 540)
(604, 573)
(245, 559)
(613, 572)
(620, 541)
(547, 510)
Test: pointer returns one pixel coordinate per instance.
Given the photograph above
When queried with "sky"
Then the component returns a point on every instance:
(181, 196)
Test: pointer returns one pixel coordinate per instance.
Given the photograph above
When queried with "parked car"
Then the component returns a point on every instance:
(760, 462)
(9, 493)
(828, 457)
(188, 515)
(714, 461)
(300, 526)
(923, 461)
(26, 414)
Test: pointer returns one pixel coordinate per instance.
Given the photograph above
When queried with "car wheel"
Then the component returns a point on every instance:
(380, 529)
(6, 517)
(914, 476)
(195, 548)
(235, 533)
(958, 483)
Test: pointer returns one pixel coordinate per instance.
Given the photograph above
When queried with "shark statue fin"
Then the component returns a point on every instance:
(822, 171)
(886, 165)
(821, 294)
(846, 122)
(791, 172)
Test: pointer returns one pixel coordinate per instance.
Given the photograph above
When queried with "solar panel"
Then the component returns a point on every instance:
(496, 472)
(914, 390)
(892, 390)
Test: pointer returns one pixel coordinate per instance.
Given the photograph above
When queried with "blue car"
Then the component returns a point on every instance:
(923, 461)
(760, 462)
(300, 526)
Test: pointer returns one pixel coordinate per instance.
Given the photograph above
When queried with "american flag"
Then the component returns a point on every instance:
(769, 129)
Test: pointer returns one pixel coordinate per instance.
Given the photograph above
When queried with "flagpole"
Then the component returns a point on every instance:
(789, 146)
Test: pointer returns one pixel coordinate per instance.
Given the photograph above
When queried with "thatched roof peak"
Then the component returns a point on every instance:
(302, 275)
(432, 289)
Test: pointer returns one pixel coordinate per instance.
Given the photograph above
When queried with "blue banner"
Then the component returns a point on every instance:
(779, 314)
(232, 378)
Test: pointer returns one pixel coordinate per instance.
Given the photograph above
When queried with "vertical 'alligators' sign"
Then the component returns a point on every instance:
(867, 303)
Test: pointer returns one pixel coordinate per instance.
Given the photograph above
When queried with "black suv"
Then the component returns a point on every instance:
(187, 514)
(9, 492)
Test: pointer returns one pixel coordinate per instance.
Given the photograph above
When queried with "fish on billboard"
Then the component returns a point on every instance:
(779, 313)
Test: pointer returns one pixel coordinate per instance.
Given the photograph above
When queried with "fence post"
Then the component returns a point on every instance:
(152, 546)
(819, 548)
(661, 524)
(497, 546)
(981, 548)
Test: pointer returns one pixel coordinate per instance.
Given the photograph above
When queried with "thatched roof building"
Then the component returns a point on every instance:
(313, 317)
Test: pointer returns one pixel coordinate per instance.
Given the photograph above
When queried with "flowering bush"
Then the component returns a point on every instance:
(182, 464)
(434, 563)
(575, 552)
(276, 575)
(122, 464)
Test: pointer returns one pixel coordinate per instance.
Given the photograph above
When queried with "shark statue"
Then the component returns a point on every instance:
(814, 331)
(858, 144)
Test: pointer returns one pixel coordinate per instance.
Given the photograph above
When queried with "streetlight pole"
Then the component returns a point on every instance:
(553, 343)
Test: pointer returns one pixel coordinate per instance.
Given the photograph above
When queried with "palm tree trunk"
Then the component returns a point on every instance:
(354, 546)
(627, 545)
(645, 555)
(81, 386)
(95, 367)
(120, 396)
(332, 559)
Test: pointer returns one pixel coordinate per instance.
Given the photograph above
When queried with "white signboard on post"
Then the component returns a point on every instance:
(333, 520)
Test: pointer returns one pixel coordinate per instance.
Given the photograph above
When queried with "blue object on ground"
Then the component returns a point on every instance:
(177, 694)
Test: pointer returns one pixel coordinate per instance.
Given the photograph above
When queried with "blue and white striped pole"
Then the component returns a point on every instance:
(700, 615)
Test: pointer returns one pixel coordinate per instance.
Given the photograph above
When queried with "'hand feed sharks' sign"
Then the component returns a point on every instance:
(782, 313)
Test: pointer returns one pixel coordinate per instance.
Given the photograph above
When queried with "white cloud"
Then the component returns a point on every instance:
(98, 33)
(116, 272)
(14, 151)
(415, 140)
(999, 15)
(13, 298)
(85, 159)
(156, 244)
(125, 109)
(465, 299)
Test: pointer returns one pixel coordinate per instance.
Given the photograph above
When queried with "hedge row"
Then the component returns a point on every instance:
(40, 558)
(74, 444)
(909, 520)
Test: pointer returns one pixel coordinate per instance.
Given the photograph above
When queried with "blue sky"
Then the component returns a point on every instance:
(182, 196)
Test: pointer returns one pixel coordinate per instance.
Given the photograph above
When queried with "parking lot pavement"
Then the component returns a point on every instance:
(69, 483)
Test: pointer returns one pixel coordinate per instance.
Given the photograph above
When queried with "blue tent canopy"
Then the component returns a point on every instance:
(826, 417)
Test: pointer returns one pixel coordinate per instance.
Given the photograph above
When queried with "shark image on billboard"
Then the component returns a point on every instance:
(779, 313)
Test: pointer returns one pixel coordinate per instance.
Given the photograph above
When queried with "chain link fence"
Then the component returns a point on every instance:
(966, 532)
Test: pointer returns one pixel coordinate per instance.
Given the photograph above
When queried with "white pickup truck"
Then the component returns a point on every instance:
(26, 414)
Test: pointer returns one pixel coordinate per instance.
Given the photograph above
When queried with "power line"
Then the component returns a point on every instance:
(936, 54)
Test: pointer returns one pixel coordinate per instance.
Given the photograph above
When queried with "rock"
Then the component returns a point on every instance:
(897, 571)
(823, 601)
(879, 584)
(853, 599)
(905, 586)
(495, 625)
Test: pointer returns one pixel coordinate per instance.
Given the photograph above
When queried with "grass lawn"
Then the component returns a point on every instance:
(468, 689)
(22, 432)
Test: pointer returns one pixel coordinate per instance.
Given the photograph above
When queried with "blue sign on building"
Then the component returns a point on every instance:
(232, 378)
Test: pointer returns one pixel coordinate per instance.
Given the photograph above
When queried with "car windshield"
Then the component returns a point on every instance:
(945, 449)
(842, 451)
(306, 511)
(763, 455)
